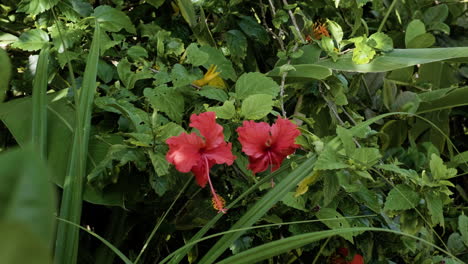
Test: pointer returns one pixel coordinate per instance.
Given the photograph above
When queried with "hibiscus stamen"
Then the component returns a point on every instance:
(218, 201)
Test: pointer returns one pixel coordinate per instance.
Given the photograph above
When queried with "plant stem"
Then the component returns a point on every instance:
(390, 9)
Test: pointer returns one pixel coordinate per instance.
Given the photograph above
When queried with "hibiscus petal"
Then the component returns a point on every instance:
(221, 154)
(253, 137)
(260, 164)
(209, 129)
(283, 134)
(201, 173)
(184, 151)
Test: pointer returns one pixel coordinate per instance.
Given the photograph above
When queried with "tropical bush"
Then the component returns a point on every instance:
(326, 131)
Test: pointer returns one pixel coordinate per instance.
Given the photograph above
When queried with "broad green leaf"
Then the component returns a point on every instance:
(181, 77)
(7, 38)
(439, 26)
(294, 201)
(128, 77)
(105, 71)
(422, 41)
(168, 130)
(334, 220)
(396, 59)
(370, 199)
(329, 160)
(414, 29)
(5, 73)
(34, 7)
(366, 156)
(217, 58)
(455, 244)
(304, 72)
(195, 56)
(112, 19)
(439, 170)
(303, 186)
(136, 52)
(26, 195)
(442, 99)
(20, 245)
(253, 29)
(435, 206)
(461, 158)
(226, 111)
(406, 102)
(213, 93)
(237, 43)
(257, 106)
(380, 41)
(401, 197)
(188, 12)
(463, 227)
(336, 31)
(241, 244)
(346, 139)
(363, 53)
(435, 14)
(166, 100)
(160, 164)
(32, 40)
(255, 83)
(389, 93)
(331, 187)
(156, 3)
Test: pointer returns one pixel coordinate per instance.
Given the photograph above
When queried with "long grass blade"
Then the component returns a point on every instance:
(39, 101)
(70, 209)
(260, 208)
(278, 247)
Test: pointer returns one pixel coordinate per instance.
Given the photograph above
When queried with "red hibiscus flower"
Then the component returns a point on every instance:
(358, 259)
(190, 152)
(266, 145)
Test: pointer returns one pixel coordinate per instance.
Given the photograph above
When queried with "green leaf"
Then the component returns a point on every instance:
(331, 187)
(160, 164)
(257, 106)
(112, 19)
(31, 40)
(166, 100)
(442, 99)
(188, 12)
(5, 73)
(336, 31)
(226, 111)
(155, 3)
(415, 28)
(136, 52)
(439, 170)
(26, 195)
(293, 201)
(401, 197)
(253, 29)
(241, 244)
(366, 156)
(346, 139)
(181, 77)
(380, 41)
(20, 245)
(463, 227)
(217, 58)
(363, 53)
(128, 77)
(406, 102)
(425, 40)
(195, 56)
(435, 207)
(168, 130)
(329, 160)
(439, 26)
(436, 14)
(455, 244)
(334, 220)
(213, 93)
(255, 83)
(396, 59)
(35, 7)
(236, 43)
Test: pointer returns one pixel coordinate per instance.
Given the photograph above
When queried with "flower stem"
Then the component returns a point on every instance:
(218, 202)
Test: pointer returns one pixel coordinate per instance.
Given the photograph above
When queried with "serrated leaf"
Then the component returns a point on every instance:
(160, 164)
(195, 56)
(401, 197)
(213, 93)
(216, 57)
(363, 53)
(257, 106)
(253, 29)
(329, 160)
(346, 138)
(334, 220)
(34, 7)
(463, 227)
(255, 83)
(128, 77)
(294, 201)
(439, 170)
(166, 100)
(31, 40)
(380, 41)
(112, 19)
(237, 43)
(331, 187)
(435, 207)
(366, 156)
(226, 111)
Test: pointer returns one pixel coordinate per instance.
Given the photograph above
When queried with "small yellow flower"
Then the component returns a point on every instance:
(211, 78)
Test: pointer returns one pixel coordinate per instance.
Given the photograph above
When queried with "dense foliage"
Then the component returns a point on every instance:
(340, 133)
